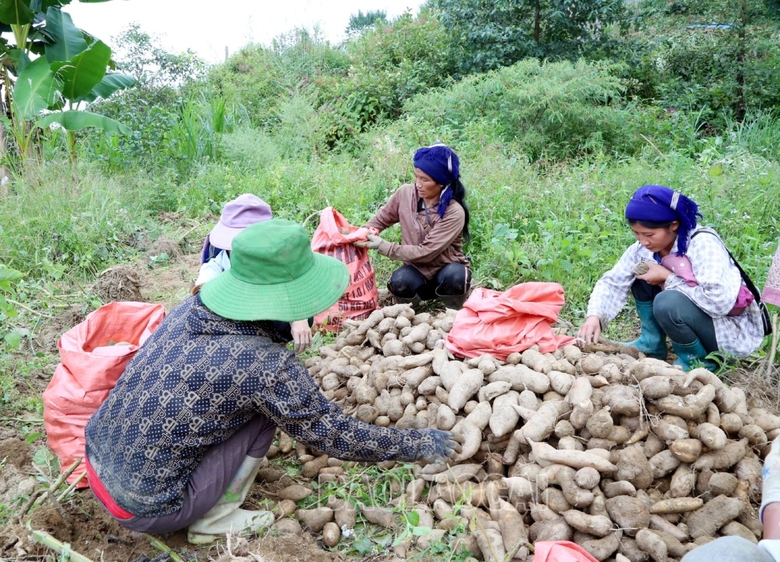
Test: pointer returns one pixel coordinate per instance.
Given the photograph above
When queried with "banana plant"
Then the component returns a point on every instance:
(72, 69)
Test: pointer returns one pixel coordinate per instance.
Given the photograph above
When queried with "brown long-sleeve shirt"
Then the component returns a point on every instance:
(428, 242)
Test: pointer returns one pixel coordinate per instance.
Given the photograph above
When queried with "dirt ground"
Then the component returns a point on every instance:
(78, 519)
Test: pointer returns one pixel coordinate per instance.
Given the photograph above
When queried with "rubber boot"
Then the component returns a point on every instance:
(692, 355)
(414, 301)
(453, 301)
(226, 517)
(652, 340)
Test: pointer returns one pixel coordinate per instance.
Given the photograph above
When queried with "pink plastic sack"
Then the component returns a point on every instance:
(93, 355)
(361, 297)
(772, 287)
(560, 551)
(508, 322)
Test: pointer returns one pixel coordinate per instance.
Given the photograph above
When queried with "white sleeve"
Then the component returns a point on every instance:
(212, 268)
(611, 291)
(772, 547)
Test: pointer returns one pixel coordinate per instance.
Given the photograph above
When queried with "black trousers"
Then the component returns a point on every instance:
(453, 279)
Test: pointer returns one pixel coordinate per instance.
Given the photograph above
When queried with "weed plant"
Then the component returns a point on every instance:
(559, 221)
(51, 222)
(369, 485)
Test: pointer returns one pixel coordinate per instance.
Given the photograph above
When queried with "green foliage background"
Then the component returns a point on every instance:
(552, 138)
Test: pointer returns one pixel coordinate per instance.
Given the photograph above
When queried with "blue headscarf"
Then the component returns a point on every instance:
(441, 163)
(657, 203)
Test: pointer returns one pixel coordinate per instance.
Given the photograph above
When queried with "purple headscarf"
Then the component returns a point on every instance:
(657, 203)
(441, 163)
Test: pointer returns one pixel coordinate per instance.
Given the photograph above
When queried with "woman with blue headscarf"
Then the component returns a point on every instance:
(434, 223)
(683, 281)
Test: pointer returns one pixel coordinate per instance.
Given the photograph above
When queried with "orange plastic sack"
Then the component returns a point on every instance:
(361, 296)
(512, 321)
(561, 551)
(93, 355)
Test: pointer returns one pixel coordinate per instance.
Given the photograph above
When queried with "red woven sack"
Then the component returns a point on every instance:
(360, 298)
(508, 322)
(93, 355)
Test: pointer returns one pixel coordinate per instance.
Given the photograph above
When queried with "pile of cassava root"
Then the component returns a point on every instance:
(632, 459)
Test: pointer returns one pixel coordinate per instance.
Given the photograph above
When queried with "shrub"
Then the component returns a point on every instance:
(548, 110)
(390, 64)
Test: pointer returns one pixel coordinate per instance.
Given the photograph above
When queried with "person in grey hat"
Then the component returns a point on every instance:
(245, 210)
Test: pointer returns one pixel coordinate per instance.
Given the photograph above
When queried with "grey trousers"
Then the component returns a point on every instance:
(728, 549)
(210, 478)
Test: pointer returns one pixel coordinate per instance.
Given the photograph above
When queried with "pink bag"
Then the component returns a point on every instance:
(560, 551)
(508, 322)
(744, 298)
(361, 297)
(681, 267)
(93, 356)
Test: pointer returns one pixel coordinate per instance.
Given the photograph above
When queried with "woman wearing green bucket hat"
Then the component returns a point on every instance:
(243, 211)
(179, 440)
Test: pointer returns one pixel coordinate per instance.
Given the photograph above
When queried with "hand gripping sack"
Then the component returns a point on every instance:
(360, 298)
(508, 322)
(93, 355)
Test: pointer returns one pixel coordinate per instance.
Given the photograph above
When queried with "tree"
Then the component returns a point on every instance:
(360, 21)
(489, 35)
(717, 57)
(166, 109)
(151, 66)
(389, 65)
(72, 67)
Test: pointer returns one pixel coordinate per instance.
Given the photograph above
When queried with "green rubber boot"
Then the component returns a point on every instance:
(652, 340)
(692, 355)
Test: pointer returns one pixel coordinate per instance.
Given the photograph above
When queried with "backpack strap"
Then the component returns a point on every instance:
(745, 279)
(765, 319)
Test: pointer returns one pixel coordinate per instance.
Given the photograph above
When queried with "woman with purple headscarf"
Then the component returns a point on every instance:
(683, 281)
(434, 222)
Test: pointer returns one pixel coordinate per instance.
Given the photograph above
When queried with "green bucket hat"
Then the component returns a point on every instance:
(275, 275)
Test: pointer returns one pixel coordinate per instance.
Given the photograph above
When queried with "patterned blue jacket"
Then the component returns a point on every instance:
(192, 384)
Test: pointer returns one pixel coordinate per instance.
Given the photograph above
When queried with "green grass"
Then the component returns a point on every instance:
(550, 154)
(549, 221)
(50, 220)
(547, 182)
